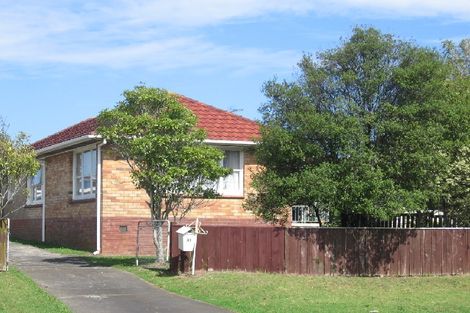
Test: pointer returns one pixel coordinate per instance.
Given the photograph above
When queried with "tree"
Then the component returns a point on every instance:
(17, 164)
(456, 187)
(364, 129)
(166, 153)
(458, 55)
(455, 181)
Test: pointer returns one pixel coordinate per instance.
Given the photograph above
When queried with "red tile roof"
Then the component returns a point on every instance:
(218, 124)
(86, 127)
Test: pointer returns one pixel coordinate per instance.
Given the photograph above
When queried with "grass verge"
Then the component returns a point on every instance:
(19, 294)
(261, 292)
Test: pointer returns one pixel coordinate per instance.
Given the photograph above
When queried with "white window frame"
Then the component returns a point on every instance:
(30, 200)
(241, 182)
(76, 153)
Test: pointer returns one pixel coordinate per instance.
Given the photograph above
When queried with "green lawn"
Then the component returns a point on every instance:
(19, 294)
(260, 292)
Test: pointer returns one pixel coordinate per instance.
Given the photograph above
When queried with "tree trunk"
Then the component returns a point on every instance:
(158, 241)
(317, 213)
(157, 225)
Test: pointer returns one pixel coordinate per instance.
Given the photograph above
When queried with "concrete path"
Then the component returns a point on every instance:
(85, 288)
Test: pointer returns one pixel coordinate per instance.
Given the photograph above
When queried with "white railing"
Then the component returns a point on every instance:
(303, 214)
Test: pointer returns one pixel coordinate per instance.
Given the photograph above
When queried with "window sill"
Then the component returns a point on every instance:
(305, 225)
(231, 197)
(33, 205)
(85, 200)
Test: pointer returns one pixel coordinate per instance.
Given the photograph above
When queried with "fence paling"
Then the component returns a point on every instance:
(333, 251)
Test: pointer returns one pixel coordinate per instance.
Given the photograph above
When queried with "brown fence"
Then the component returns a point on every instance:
(236, 248)
(331, 251)
(4, 225)
(376, 251)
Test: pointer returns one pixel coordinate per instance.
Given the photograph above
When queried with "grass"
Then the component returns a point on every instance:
(261, 292)
(19, 294)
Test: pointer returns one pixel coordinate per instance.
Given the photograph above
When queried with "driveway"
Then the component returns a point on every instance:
(85, 288)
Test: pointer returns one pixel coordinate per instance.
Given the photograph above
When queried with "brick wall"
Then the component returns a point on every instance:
(25, 222)
(122, 199)
(124, 205)
(79, 233)
(119, 236)
(73, 223)
(26, 228)
(68, 222)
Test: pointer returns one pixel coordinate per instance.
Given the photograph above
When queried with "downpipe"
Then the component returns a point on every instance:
(98, 197)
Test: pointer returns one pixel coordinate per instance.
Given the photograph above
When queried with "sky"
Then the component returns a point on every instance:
(64, 61)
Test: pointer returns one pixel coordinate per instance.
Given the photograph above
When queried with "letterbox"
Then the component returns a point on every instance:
(186, 238)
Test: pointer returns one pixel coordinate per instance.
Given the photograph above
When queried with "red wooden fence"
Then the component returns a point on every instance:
(236, 248)
(394, 252)
(331, 251)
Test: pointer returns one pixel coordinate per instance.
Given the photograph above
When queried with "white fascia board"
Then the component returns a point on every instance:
(230, 142)
(67, 143)
(85, 138)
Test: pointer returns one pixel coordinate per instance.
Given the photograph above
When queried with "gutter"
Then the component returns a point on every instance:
(230, 142)
(66, 144)
(86, 138)
(98, 197)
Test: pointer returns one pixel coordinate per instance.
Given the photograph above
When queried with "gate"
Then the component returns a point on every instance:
(4, 243)
(145, 244)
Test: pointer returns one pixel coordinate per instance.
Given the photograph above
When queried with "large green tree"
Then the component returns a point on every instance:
(366, 128)
(17, 164)
(455, 181)
(166, 153)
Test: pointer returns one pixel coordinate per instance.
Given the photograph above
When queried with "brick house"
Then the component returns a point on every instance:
(83, 196)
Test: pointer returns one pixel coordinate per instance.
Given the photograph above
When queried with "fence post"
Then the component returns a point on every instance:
(8, 244)
(4, 244)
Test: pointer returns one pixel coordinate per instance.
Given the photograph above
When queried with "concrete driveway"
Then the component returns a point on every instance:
(85, 288)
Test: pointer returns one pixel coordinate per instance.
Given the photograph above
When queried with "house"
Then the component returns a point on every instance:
(83, 196)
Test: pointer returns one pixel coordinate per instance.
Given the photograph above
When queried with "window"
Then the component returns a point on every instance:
(232, 184)
(35, 188)
(84, 174)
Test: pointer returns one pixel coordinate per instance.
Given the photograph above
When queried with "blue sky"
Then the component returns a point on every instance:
(64, 61)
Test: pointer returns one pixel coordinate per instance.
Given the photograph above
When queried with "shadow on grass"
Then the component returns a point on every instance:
(120, 262)
(52, 247)
(162, 272)
(84, 258)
